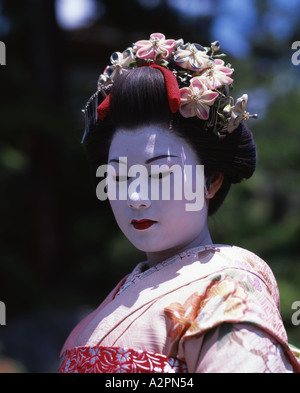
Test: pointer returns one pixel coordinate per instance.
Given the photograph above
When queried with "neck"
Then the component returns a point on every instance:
(203, 239)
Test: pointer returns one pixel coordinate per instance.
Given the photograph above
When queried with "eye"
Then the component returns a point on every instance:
(160, 175)
(119, 179)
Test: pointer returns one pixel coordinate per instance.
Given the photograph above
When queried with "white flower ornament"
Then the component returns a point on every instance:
(120, 63)
(238, 113)
(192, 57)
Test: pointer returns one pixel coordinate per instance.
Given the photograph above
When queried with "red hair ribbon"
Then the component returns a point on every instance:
(103, 108)
(171, 86)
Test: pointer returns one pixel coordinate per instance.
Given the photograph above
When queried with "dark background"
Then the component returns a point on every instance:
(60, 249)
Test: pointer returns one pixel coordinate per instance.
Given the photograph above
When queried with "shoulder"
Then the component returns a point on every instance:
(227, 285)
(239, 288)
(245, 266)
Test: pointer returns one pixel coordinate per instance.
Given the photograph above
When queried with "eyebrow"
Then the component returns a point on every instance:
(147, 161)
(158, 157)
(117, 160)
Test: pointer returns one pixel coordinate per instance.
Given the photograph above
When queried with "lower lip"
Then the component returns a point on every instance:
(143, 225)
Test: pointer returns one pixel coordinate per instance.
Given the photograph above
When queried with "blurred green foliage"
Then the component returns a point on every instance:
(60, 248)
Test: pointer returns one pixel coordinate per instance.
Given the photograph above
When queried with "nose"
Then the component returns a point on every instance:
(136, 201)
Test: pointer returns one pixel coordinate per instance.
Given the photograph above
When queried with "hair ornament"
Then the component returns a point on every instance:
(197, 82)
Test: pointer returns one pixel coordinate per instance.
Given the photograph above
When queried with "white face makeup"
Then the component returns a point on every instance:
(158, 227)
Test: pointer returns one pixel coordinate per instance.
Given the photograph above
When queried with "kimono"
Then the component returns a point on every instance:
(209, 309)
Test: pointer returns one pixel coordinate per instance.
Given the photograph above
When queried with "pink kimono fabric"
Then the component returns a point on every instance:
(209, 309)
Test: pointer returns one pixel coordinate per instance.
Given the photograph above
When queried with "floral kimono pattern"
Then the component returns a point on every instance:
(118, 360)
(209, 309)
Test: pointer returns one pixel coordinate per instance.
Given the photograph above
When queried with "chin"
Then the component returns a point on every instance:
(151, 247)
(155, 248)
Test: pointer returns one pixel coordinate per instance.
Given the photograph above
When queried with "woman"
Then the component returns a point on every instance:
(192, 306)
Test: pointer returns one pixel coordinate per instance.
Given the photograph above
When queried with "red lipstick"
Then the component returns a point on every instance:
(142, 224)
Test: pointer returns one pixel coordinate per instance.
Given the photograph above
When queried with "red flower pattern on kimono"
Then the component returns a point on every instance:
(183, 316)
(225, 299)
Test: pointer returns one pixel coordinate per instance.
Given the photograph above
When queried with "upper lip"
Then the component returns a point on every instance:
(143, 220)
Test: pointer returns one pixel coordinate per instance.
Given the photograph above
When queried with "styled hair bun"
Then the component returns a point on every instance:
(241, 163)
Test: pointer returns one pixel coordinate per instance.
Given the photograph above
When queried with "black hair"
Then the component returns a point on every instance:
(139, 98)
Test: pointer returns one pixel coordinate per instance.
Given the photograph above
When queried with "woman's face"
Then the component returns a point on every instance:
(156, 191)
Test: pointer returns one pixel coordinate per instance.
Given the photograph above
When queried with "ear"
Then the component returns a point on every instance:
(214, 185)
